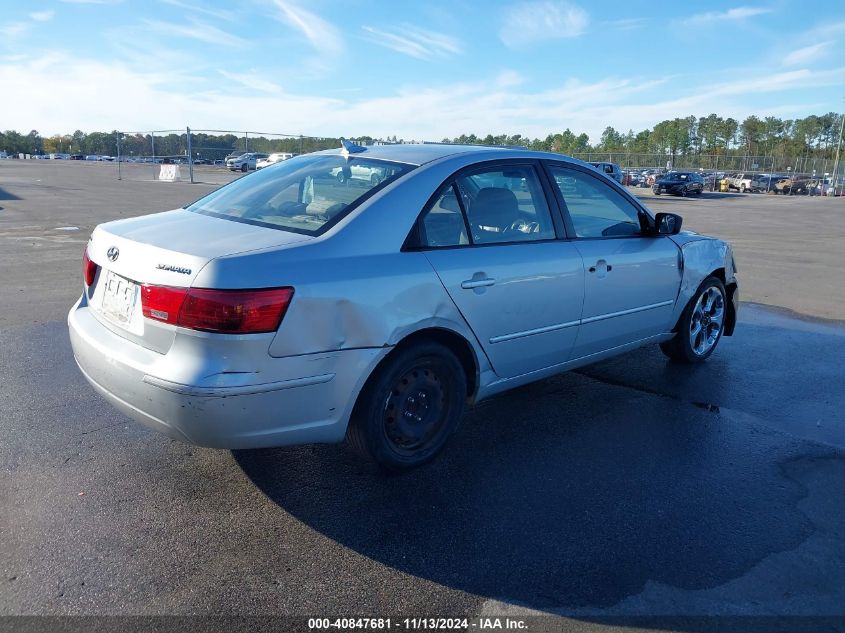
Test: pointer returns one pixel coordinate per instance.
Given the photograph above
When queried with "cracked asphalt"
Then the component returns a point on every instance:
(631, 489)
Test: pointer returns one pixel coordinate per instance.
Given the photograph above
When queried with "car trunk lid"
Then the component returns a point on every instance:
(164, 249)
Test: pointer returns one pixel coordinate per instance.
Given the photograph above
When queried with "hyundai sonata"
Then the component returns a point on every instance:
(295, 306)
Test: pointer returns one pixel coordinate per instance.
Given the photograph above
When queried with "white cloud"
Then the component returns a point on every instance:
(415, 42)
(14, 29)
(253, 81)
(42, 16)
(164, 98)
(735, 14)
(807, 54)
(323, 36)
(530, 22)
(627, 24)
(196, 30)
(221, 14)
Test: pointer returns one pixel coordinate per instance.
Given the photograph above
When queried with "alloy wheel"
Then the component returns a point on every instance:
(707, 320)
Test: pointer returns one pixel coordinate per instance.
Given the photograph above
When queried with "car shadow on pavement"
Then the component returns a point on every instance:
(5, 195)
(563, 494)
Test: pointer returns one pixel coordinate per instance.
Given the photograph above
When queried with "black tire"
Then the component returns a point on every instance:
(341, 177)
(244, 168)
(680, 347)
(742, 188)
(684, 192)
(409, 407)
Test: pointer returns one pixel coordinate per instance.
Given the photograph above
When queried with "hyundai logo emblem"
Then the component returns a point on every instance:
(113, 253)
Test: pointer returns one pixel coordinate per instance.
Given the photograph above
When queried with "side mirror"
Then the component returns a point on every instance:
(668, 223)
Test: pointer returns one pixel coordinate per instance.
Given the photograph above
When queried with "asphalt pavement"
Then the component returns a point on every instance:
(629, 489)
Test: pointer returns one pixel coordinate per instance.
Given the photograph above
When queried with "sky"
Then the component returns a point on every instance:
(419, 70)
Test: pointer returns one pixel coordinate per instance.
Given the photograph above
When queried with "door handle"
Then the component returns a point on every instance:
(469, 284)
(603, 264)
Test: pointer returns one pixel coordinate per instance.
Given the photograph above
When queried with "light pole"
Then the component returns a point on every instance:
(838, 148)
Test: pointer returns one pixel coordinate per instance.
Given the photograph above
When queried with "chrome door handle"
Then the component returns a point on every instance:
(469, 284)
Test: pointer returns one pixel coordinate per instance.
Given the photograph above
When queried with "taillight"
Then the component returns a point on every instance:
(89, 268)
(162, 303)
(210, 310)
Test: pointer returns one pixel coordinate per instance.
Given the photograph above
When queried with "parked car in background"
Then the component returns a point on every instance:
(272, 159)
(611, 169)
(764, 183)
(245, 162)
(223, 324)
(649, 176)
(679, 183)
(741, 182)
(709, 179)
(791, 185)
(631, 177)
(372, 174)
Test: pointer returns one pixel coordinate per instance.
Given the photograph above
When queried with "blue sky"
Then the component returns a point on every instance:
(420, 70)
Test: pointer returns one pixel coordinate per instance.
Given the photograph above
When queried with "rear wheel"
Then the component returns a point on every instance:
(742, 188)
(409, 407)
(701, 324)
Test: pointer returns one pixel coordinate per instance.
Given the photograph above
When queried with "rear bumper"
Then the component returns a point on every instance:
(292, 400)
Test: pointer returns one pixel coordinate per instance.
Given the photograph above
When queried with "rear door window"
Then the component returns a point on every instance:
(505, 204)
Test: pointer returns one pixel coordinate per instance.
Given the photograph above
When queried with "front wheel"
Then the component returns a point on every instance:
(701, 324)
(409, 407)
(244, 167)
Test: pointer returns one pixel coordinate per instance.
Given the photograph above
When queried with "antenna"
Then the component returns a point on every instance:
(350, 148)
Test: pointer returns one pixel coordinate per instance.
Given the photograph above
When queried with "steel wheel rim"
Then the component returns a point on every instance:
(707, 321)
(415, 410)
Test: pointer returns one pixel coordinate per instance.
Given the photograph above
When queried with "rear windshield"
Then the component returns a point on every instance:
(306, 194)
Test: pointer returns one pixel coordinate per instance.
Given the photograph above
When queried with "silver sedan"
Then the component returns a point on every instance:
(295, 306)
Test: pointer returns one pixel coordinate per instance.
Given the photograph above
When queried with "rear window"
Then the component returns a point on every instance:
(306, 194)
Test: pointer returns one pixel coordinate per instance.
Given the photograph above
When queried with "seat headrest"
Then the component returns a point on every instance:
(495, 206)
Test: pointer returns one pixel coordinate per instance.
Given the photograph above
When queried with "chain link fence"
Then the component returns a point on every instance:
(804, 165)
(200, 155)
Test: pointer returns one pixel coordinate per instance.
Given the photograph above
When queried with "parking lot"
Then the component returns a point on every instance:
(631, 488)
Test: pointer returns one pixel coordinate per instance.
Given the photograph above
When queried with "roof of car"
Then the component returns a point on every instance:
(421, 153)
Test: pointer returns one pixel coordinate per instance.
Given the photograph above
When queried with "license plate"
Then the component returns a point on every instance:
(119, 295)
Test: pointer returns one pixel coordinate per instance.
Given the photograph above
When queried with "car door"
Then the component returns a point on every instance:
(632, 277)
(493, 241)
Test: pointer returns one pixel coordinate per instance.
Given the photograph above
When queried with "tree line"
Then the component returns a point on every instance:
(814, 136)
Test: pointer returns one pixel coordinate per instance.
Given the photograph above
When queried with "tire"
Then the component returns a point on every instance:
(684, 192)
(244, 168)
(696, 338)
(341, 177)
(409, 407)
(742, 188)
